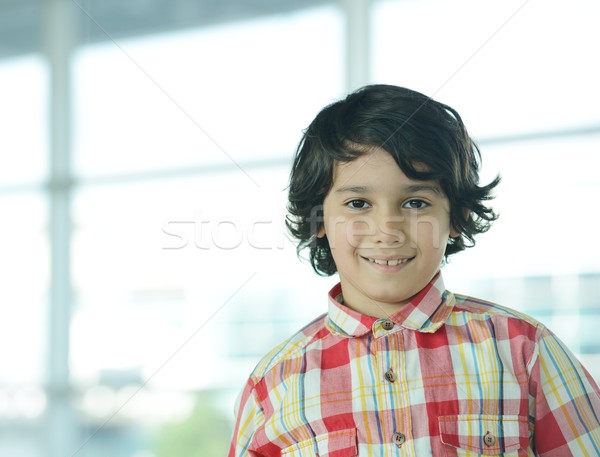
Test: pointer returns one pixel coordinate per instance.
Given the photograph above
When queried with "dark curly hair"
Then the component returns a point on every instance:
(428, 141)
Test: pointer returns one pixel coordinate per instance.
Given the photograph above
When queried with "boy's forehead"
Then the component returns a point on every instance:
(377, 171)
(370, 165)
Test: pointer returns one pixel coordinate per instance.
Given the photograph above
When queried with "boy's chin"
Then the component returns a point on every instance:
(390, 299)
(394, 291)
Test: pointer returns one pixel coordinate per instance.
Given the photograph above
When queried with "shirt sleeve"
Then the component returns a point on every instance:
(249, 416)
(565, 401)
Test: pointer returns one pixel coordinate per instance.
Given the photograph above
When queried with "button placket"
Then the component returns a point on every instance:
(389, 343)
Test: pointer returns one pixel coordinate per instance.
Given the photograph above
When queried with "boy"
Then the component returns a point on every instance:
(383, 189)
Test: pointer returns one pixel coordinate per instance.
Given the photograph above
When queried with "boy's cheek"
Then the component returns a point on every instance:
(430, 232)
(353, 232)
(358, 229)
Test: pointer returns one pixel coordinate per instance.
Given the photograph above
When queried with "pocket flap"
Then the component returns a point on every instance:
(340, 443)
(485, 434)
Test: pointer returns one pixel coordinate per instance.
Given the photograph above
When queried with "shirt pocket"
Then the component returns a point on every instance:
(341, 443)
(474, 435)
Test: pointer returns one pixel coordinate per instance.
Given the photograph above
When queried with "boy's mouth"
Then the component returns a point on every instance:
(390, 262)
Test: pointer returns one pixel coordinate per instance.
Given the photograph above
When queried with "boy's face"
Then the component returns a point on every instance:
(387, 233)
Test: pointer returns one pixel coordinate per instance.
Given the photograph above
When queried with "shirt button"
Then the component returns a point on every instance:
(489, 439)
(399, 439)
(390, 376)
(387, 324)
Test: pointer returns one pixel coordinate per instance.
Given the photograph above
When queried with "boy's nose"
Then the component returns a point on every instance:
(390, 229)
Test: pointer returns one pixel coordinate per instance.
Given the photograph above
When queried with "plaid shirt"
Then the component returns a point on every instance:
(447, 375)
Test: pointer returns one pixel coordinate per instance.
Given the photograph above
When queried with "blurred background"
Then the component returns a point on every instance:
(144, 154)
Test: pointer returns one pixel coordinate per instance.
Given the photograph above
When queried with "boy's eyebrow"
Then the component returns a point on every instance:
(412, 188)
(423, 188)
(353, 190)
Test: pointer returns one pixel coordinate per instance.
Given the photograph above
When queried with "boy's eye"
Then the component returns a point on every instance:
(358, 204)
(415, 204)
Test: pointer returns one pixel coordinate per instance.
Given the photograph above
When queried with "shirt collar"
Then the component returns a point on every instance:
(426, 312)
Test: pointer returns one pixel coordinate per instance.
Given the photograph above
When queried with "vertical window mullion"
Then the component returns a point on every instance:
(357, 42)
(58, 25)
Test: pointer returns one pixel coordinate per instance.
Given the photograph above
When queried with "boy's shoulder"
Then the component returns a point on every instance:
(292, 347)
(487, 309)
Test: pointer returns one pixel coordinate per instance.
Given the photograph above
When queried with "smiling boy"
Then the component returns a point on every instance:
(383, 188)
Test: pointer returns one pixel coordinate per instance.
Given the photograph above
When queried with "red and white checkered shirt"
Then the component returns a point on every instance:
(447, 375)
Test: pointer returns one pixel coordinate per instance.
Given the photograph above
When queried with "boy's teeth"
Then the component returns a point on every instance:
(393, 262)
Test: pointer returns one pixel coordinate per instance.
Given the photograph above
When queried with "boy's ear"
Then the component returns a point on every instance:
(321, 232)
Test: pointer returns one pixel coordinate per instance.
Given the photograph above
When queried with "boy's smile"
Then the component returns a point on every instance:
(387, 233)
